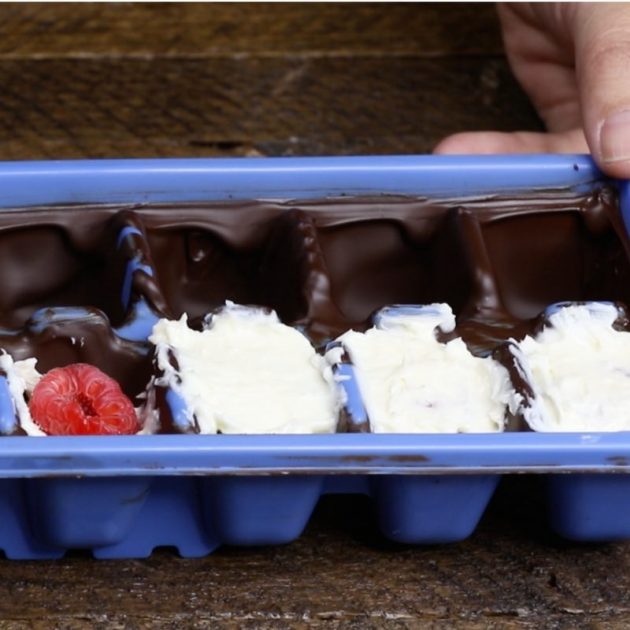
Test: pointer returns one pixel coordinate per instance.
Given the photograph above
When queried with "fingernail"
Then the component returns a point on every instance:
(614, 137)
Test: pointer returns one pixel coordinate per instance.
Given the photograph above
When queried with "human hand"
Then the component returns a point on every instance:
(573, 60)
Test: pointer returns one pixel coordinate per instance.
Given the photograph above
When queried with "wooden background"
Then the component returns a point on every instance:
(130, 80)
(101, 80)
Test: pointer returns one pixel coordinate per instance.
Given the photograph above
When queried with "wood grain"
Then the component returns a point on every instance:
(117, 29)
(281, 106)
(117, 80)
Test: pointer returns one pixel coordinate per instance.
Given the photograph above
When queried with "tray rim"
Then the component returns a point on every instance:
(32, 183)
(353, 453)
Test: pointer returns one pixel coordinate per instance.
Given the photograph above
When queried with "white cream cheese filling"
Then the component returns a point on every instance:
(247, 373)
(412, 383)
(22, 376)
(579, 370)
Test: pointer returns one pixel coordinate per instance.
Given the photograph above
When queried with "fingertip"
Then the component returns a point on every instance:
(602, 49)
(619, 169)
(613, 152)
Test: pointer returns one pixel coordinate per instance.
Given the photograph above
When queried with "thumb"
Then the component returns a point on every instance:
(602, 58)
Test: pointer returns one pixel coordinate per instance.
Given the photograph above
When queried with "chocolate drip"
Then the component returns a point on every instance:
(484, 296)
(134, 249)
(304, 298)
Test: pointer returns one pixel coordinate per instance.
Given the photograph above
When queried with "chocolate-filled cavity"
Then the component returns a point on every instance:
(65, 272)
(376, 262)
(42, 266)
(565, 262)
(60, 337)
(537, 251)
(202, 271)
(63, 257)
(207, 254)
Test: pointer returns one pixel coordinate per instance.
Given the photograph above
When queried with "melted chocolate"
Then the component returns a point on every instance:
(60, 336)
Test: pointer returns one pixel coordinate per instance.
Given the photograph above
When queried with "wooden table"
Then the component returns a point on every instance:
(200, 80)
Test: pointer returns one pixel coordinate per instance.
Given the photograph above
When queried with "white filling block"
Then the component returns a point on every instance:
(22, 376)
(412, 383)
(579, 369)
(247, 373)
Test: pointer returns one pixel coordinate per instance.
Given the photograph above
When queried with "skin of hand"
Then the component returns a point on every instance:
(573, 61)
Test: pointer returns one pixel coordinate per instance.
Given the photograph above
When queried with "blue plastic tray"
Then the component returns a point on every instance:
(123, 496)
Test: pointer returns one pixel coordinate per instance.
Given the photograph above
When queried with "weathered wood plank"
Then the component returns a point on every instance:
(198, 29)
(165, 107)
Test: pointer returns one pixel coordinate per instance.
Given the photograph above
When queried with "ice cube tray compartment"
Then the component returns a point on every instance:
(577, 255)
(49, 259)
(121, 497)
(93, 299)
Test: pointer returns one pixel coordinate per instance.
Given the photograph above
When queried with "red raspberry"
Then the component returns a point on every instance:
(81, 400)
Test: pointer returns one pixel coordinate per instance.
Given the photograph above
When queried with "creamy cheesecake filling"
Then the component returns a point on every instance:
(22, 376)
(579, 369)
(412, 383)
(247, 373)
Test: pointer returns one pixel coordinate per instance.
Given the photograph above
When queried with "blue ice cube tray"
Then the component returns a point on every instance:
(123, 496)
